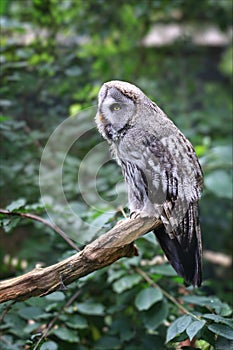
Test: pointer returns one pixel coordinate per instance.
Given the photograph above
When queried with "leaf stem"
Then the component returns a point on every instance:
(165, 293)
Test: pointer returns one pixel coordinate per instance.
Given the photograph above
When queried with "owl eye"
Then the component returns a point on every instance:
(115, 107)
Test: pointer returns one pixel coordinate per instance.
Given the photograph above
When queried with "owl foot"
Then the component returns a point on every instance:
(135, 214)
(139, 214)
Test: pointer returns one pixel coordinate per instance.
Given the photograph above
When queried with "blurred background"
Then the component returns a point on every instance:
(56, 54)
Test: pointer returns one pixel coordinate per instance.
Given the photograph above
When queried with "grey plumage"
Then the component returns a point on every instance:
(161, 169)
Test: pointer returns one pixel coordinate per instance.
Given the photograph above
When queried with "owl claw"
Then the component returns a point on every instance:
(135, 214)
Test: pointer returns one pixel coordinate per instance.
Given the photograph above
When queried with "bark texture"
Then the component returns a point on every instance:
(111, 246)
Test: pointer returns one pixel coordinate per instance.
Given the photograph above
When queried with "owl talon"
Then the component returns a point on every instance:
(135, 214)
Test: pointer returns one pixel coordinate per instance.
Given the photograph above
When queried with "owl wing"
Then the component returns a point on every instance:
(174, 184)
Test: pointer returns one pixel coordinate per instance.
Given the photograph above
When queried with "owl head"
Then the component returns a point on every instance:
(118, 105)
(121, 105)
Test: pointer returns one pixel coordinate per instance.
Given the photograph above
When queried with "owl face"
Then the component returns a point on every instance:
(114, 111)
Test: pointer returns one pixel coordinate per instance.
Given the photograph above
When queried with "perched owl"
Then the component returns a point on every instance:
(161, 170)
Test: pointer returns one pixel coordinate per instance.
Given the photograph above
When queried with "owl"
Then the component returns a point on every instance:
(161, 169)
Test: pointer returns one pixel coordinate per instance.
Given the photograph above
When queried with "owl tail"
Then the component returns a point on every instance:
(183, 247)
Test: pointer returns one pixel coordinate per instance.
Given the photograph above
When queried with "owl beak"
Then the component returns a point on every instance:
(101, 118)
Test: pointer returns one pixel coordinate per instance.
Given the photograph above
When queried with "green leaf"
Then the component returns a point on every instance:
(223, 344)
(36, 207)
(194, 328)
(150, 237)
(122, 326)
(31, 327)
(30, 312)
(113, 275)
(49, 345)
(127, 334)
(19, 203)
(74, 109)
(219, 319)
(219, 157)
(178, 327)
(51, 307)
(126, 282)
(147, 297)
(56, 296)
(3, 7)
(107, 342)
(8, 224)
(37, 302)
(220, 183)
(165, 270)
(14, 321)
(213, 303)
(223, 330)
(73, 71)
(149, 341)
(91, 308)
(66, 334)
(4, 118)
(155, 316)
(77, 322)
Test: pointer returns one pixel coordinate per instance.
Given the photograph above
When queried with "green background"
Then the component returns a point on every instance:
(55, 55)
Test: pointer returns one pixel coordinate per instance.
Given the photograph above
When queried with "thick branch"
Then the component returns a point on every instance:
(115, 244)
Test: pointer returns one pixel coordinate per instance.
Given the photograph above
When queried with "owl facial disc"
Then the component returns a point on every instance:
(115, 109)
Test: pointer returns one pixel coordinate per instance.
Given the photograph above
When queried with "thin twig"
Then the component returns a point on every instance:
(123, 212)
(166, 294)
(43, 221)
(7, 309)
(54, 320)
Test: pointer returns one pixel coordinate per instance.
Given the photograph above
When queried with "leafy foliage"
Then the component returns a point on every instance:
(54, 57)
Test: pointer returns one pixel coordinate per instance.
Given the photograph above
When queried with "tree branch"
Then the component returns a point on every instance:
(43, 221)
(115, 244)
